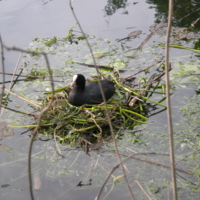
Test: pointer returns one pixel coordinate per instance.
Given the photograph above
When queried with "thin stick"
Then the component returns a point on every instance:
(146, 39)
(40, 116)
(36, 105)
(170, 128)
(187, 15)
(104, 99)
(16, 80)
(157, 163)
(57, 146)
(27, 75)
(114, 168)
(140, 186)
(15, 69)
(141, 70)
(3, 70)
(11, 82)
(36, 128)
(186, 156)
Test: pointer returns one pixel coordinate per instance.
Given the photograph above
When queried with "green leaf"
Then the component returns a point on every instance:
(181, 47)
(51, 41)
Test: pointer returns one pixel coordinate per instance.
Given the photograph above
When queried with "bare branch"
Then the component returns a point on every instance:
(102, 93)
(36, 105)
(15, 70)
(40, 116)
(38, 125)
(146, 39)
(170, 128)
(28, 76)
(140, 186)
(3, 70)
(114, 168)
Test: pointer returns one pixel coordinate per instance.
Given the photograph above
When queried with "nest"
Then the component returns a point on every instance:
(88, 125)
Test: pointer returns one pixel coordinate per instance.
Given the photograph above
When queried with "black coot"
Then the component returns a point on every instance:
(89, 93)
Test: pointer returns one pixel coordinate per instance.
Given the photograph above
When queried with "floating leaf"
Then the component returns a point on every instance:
(117, 179)
(8, 131)
(135, 33)
(69, 62)
(5, 185)
(5, 148)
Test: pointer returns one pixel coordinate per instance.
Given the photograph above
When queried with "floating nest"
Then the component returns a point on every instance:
(88, 125)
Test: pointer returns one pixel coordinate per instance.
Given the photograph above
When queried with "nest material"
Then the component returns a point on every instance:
(89, 122)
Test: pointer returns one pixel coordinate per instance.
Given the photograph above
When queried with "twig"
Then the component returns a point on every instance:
(40, 116)
(38, 125)
(14, 82)
(187, 15)
(57, 147)
(107, 113)
(19, 80)
(185, 179)
(138, 183)
(186, 156)
(191, 26)
(89, 172)
(98, 66)
(142, 93)
(114, 168)
(155, 163)
(3, 70)
(21, 97)
(11, 82)
(129, 77)
(15, 70)
(170, 128)
(27, 75)
(146, 39)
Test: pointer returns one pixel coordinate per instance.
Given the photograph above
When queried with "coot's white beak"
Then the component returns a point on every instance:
(72, 85)
(74, 81)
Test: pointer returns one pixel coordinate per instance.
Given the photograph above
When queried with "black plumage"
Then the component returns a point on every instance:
(89, 93)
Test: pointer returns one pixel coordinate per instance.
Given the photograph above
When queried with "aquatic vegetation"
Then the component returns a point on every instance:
(88, 124)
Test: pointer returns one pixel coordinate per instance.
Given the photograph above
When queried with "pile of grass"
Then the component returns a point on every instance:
(88, 124)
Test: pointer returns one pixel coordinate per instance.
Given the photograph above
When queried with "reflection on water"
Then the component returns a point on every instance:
(182, 9)
(113, 5)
